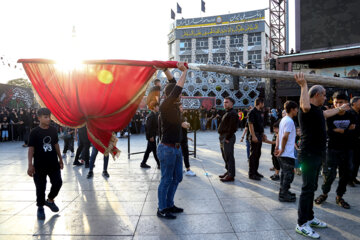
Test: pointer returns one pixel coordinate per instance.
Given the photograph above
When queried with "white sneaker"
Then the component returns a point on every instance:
(190, 173)
(317, 223)
(72, 154)
(307, 231)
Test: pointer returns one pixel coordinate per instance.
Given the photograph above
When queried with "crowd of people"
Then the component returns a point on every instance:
(307, 137)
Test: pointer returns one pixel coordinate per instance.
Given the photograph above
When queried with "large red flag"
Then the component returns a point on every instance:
(103, 94)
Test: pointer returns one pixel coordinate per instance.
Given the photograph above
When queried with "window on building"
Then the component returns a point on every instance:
(185, 44)
(236, 41)
(254, 39)
(254, 56)
(202, 43)
(202, 58)
(218, 42)
(236, 57)
(218, 57)
(185, 58)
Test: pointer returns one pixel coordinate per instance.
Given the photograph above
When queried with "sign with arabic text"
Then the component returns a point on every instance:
(223, 30)
(222, 19)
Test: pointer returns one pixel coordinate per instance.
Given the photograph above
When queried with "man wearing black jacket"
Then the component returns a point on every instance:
(151, 128)
(227, 129)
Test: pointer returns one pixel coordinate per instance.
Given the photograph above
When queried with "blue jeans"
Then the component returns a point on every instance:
(171, 174)
(214, 122)
(248, 148)
(297, 164)
(94, 153)
(203, 123)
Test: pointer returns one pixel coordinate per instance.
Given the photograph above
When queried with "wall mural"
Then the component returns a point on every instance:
(16, 97)
(219, 86)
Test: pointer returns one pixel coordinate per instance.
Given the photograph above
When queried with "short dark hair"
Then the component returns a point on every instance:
(156, 81)
(340, 95)
(258, 101)
(43, 112)
(288, 105)
(230, 99)
(168, 89)
(354, 100)
(277, 124)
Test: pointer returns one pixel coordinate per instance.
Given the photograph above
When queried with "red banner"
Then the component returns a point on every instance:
(103, 94)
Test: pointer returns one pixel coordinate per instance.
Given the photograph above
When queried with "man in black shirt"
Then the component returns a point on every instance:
(151, 128)
(256, 128)
(340, 128)
(169, 151)
(355, 139)
(312, 151)
(227, 129)
(45, 150)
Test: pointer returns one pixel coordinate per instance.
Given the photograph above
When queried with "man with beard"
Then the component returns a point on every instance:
(227, 129)
(169, 150)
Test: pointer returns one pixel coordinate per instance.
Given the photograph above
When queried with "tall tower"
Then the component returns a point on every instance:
(278, 27)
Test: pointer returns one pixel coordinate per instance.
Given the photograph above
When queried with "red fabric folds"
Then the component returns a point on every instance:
(103, 94)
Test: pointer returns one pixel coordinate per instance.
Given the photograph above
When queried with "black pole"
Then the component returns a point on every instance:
(128, 142)
(195, 144)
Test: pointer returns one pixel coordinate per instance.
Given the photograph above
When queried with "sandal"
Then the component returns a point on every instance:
(341, 202)
(320, 199)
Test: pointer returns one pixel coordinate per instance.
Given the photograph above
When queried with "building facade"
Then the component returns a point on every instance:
(225, 39)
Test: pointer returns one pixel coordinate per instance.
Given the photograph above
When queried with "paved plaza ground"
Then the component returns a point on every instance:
(124, 206)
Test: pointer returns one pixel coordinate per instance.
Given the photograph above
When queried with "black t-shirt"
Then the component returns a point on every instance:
(43, 141)
(170, 119)
(313, 130)
(256, 118)
(340, 141)
(4, 125)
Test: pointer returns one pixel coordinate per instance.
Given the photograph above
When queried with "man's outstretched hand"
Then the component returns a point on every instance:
(300, 79)
(181, 66)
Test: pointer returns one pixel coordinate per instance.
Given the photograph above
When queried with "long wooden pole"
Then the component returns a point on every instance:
(279, 75)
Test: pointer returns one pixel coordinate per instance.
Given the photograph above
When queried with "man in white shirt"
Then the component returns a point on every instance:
(285, 151)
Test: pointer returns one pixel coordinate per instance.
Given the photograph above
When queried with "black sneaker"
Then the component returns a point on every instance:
(255, 177)
(41, 213)
(90, 174)
(105, 174)
(260, 175)
(144, 165)
(356, 181)
(77, 163)
(52, 206)
(287, 198)
(165, 214)
(351, 184)
(275, 177)
(175, 209)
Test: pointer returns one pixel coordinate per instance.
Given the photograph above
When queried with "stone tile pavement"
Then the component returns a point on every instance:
(124, 206)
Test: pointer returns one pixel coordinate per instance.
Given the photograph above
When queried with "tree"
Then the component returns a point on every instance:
(21, 82)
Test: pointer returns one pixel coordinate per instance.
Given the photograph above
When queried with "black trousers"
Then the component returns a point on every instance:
(255, 154)
(227, 151)
(356, 162)
(185, 153)
(151, 147)
(69, 145)
(336, 159)
(40, 183)
(287, 173)
(84, 148)
(310, 165)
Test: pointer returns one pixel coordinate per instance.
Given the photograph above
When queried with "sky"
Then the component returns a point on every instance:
(105, 29)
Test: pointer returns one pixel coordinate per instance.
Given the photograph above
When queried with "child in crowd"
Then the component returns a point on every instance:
(297, 148)
(4, 129)
(45, 150)
(275, 160)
